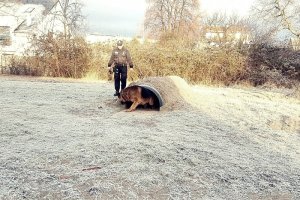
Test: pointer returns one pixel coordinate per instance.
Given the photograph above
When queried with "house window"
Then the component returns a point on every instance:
(5, 39)
(29, 10)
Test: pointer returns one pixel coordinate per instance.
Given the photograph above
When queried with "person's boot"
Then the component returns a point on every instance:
(117, 94)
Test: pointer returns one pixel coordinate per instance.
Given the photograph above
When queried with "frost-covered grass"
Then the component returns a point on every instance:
(68, 139)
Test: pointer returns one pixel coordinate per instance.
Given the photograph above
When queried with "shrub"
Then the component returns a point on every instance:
(54, 56)
(280, 66)
(195, 65)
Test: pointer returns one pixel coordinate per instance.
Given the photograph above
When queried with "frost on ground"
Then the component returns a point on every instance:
(65, 139)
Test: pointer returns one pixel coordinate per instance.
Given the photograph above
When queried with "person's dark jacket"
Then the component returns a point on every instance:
(120, 57)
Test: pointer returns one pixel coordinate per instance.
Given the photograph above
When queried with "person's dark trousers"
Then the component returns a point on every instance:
(120, 75)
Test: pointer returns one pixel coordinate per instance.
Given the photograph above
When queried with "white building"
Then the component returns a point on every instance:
(19, 23)
(98, 38)
(232, 35)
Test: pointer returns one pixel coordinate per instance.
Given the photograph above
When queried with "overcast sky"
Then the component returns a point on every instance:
(125, 17)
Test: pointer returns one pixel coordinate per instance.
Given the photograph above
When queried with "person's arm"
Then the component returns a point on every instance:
(129, 61)
(111, 60)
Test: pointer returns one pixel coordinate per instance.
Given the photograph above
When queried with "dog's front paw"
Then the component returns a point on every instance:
(128, 110)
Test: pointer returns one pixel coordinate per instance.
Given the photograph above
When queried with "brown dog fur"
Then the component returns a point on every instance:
(134, 94)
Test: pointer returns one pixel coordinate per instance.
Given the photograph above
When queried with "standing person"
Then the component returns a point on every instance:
(120, 57)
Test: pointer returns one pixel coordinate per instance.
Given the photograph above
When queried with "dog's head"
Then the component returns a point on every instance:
(121, 97)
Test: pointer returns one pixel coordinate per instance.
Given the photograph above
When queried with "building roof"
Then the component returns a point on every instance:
(20, 17)
(48, 4)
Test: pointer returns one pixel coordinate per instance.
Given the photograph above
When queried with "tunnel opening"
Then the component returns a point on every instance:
(171, 92)
(148, 91)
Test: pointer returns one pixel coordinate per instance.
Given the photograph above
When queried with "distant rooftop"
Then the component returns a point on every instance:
(12, 8)
(19, 16)
(48, 4)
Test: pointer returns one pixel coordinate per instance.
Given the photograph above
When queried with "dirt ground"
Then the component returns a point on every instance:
(70, 139)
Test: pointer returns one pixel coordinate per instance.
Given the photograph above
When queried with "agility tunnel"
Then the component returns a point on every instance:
(171, 92)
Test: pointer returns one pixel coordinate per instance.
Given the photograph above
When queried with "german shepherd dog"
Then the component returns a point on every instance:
(137, 95)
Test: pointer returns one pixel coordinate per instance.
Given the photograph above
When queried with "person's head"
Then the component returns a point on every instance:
(120, 44)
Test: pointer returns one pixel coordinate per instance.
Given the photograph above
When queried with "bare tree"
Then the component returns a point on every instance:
(283, 12)
(70, 15)
(262, 32)
(172, 16)
(63, 54)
